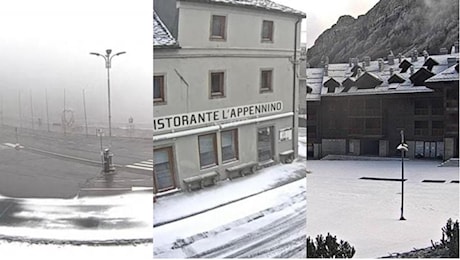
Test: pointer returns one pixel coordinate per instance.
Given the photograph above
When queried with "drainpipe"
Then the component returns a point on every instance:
(294, 93)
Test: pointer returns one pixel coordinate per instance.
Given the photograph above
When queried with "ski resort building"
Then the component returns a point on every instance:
(225, 89)
(360, 107)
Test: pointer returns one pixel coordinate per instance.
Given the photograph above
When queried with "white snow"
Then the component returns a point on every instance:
(366, 213)
(130, 209)
(15, 250)
(231, 221)
(182, 204)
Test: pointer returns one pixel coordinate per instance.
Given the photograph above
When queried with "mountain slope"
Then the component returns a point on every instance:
(396, 25)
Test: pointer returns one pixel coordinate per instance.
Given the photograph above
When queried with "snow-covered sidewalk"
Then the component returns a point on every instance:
(180, 205)
(366, 212)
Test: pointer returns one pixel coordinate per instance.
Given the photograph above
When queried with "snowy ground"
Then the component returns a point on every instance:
(78, 227)
(366, 212)
(269, 224)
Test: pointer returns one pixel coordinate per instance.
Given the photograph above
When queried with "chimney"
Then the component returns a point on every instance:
(367, 61)
(425, 55)
(399, 57)
(350, 62)
(391, 58)
(443, 51)
(414, 55)
(391, 71)
(326, 69)
(381, 64)
(359, 72)
(354, 61)
(456, 47)
(412, 70)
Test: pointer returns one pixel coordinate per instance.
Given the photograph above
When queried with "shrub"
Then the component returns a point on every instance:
(450, 238)
(329, 248)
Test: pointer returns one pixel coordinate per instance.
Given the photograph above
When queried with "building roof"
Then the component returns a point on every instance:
(162, 38)
(257, 4)
(450, 74)
(392, 81)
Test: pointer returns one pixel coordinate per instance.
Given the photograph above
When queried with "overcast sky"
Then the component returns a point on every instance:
(45, 45)
(322, 14)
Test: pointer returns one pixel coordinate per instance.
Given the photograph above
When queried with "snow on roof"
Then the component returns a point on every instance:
(259, 4)
(161, 35)
(450, 74)
(342, 71)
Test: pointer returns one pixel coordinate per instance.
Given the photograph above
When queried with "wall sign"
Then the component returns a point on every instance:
(215, 116)
(285, 134)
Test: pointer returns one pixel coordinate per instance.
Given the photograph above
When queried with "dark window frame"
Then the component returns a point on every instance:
(270, 30)
(162, 99)
(235, 143)
(214, 151)
(169, 150)
(221, 86)
(222, 34)
(263, 80)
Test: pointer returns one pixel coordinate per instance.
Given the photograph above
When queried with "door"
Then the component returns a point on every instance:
(163, 169)
(265, 143)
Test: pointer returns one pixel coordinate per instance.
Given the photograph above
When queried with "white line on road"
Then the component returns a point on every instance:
(139, 167)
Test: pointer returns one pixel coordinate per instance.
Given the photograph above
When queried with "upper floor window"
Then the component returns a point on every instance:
(218, 23)
(266, 80)
(267, 31)
(159, 89)
(217, 81)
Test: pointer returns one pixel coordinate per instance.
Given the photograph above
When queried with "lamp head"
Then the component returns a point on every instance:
(94, 53)
(108, 51)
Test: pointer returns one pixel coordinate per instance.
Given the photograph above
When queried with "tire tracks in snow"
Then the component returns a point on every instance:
(263, 241)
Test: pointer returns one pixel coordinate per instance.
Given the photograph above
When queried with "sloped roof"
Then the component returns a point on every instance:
(450, 74)
(342, 71)
(257, 4)
(368, 80)
(162, 38)
(419, 77)
(395, 78)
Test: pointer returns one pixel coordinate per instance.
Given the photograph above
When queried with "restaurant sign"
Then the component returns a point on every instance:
(215, 116)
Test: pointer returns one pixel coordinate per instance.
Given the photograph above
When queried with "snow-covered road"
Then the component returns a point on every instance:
(268, 225)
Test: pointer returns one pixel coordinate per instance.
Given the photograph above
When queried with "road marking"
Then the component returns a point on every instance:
(103, 189)
(141, 188)
(14, 145)
(143, 165)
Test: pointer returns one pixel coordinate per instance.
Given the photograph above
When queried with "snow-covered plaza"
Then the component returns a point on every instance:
(366, 212)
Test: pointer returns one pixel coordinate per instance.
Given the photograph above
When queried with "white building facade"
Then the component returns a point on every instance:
(225, 89)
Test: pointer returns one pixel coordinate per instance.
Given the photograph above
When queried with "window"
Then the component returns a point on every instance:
(163, 169)
(267, 31)
(421, 128)
(207, 147)
(229, 145)
(217, 84)
(158, 89)
(266, 77)
(218, 27)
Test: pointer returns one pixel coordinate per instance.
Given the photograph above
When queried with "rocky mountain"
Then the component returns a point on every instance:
(391, 25)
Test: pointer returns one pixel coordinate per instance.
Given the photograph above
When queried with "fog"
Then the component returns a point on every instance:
(46, 68)
(321, 15)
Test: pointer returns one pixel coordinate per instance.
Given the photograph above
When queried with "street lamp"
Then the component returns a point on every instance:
(402, 147)
(108, 62)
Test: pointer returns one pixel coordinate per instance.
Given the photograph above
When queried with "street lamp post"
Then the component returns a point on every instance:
(403, 147)
(108, 63)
